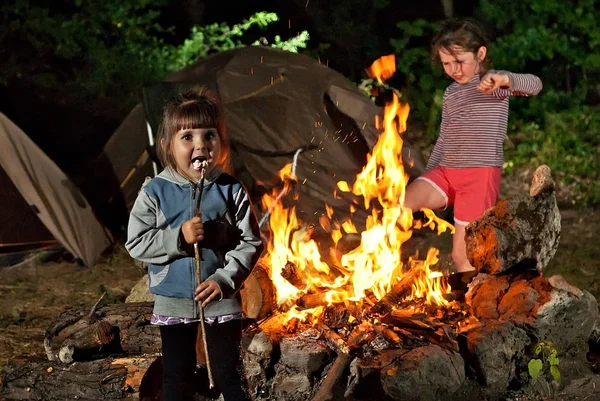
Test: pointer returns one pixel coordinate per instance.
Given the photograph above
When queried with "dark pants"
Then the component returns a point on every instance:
(179, 360)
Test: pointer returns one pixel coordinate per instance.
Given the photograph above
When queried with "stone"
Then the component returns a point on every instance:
(257, 359)
(291, 387)
(425, 373)
(140, 291)
(523, 232)
(303, 355)
(483, 296)
(567, 320)
(493, 350)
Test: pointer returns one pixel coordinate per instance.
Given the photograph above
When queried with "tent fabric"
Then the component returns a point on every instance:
(275, 103)
(20, 226)
(58, 203)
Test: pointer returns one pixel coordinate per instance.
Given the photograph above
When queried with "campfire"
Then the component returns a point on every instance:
(336, 312)
(311, 273)
(358, 292)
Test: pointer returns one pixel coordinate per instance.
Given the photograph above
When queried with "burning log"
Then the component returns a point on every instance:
(333, 339)
(523, 230)
(124, 328)
(336, 316)
(318, 298)
(294, 276)
(258, 293)
(399, 291)
(420, 326)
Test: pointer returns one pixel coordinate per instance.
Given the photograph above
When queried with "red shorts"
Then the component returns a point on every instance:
(471, 190)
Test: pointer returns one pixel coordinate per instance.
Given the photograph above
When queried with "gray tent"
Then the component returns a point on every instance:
(33, 185)
(276, 102)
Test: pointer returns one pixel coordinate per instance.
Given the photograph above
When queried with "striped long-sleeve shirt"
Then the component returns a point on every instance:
(474, 125)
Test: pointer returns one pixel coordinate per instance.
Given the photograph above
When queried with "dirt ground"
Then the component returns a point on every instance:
(33, 294)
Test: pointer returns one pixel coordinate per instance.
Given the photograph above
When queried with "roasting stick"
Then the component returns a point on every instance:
(201, 166)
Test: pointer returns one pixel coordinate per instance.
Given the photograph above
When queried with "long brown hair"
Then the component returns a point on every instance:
(460, 32)
(197, 108)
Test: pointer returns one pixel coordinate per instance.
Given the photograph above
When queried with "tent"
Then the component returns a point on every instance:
(40, 205)
(279, 107)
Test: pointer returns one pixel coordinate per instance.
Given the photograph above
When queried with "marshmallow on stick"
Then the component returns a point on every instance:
(198, 164)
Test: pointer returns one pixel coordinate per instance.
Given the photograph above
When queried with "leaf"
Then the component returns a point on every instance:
(535, 367)
(555, 372)
(553, 359)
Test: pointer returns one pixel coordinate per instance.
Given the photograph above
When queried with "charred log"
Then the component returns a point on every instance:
(336, 316)
(399, 291)
(294, 275)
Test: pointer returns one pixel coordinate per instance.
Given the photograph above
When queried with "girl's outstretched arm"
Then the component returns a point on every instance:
(147, 242)
(516, 84)
(240, 260)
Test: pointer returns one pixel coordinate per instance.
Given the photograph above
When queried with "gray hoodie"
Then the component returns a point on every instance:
(230, 248)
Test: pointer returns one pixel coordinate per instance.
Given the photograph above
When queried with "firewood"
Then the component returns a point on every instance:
(325, 392)
(122, 327)
(85, 343)
(400, 319)
(387, 333)
(311, 300)
(356, 337)
(333, 339)
(398, 292)
(336, 316)
(317, 298)
(258, 293)
(294, 275)
(104, 379)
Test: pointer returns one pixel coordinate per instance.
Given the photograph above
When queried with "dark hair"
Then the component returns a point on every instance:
(461, 32)
(197, 108)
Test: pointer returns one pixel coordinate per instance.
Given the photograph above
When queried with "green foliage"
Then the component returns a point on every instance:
(111, 47)
(569, 143)
(560, 40)
(544, 365)
(214, 38)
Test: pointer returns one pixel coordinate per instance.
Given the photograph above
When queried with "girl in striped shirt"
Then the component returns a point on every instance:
(465, 166)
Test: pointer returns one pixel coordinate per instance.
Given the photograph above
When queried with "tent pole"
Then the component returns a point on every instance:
(265, 217)
(151, 143)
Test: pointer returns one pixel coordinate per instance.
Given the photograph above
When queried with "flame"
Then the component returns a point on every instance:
(367, 272)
